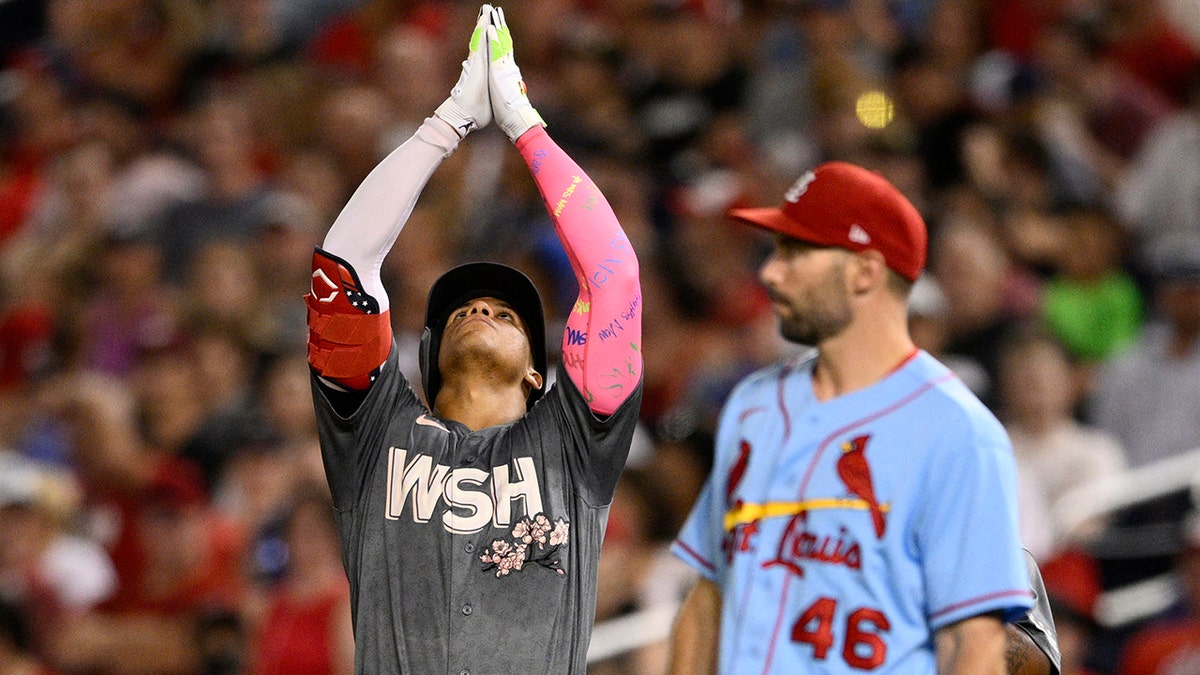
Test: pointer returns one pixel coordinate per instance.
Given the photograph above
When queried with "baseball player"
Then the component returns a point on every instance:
(861, 512)
(471, 527)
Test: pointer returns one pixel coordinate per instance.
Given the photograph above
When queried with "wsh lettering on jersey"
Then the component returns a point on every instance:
(473, 498)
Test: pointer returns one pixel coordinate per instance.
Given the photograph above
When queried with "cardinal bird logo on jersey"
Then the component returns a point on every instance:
(740, 535)
(854, 471)
(737, 472)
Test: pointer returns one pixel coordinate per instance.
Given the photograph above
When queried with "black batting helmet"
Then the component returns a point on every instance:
(477, 280)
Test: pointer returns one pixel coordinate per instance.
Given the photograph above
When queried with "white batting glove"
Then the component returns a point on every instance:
(468, 107)
(510, 103)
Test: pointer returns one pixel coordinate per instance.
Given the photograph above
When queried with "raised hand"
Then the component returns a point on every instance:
(510, 102)
(468, 107)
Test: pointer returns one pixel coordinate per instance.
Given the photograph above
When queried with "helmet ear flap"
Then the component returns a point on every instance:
(428, 364)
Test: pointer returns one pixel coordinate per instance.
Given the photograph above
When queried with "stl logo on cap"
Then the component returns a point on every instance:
(798, 188)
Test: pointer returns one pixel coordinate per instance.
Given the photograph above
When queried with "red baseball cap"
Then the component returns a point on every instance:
(840, 204)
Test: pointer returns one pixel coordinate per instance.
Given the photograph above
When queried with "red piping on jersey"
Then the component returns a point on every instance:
(745, 414)
(698, 558)
(983, 598)
(821, 450)
(869, 418)
(787, 419)
(750, 411)
(904, 361)
(787, 581)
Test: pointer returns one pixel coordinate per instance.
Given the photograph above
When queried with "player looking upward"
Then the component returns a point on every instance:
(471, 528)
(861, 512)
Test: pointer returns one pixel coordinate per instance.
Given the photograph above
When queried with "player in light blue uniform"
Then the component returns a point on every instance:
(861, 513)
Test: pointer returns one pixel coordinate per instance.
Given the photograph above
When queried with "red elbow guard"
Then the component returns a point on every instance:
(348, 337)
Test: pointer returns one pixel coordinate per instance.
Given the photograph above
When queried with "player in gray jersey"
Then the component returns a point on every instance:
(471, 523)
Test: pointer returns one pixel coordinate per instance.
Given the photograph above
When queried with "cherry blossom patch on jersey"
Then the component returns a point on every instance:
(533, 540)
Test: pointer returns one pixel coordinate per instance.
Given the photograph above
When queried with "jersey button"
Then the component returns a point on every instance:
(467, 609)
(469, 548)
(464, 671)
(470, 459)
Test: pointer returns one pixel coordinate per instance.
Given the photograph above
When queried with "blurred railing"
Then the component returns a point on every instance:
(632, 631)
(1130, 488)
(1175, 479)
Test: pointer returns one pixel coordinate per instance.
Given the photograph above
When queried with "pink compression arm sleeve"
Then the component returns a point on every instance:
(602, 343)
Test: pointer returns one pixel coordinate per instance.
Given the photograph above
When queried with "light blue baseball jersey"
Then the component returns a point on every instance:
(844, 533)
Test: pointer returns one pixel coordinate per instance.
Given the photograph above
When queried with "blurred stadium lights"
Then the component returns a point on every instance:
(874, 109)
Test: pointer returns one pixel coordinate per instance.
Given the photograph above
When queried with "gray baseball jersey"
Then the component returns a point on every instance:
(471, 552)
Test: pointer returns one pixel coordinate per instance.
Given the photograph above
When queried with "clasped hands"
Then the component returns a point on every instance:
(490, 85)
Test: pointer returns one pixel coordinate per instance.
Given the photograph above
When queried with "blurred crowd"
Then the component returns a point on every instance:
(166, 167)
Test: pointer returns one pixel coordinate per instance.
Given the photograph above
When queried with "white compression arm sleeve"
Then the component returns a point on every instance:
(368, 225)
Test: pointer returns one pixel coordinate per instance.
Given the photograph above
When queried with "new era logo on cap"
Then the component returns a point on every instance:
(847, 206)
(859, 235)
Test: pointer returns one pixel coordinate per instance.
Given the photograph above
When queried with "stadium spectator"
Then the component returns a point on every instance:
(47, 567)
(1171, 645)
(1149, 397)
(303, 630)
(1157, 195)
(985, 294)
(1091, 303)
(1056, 454)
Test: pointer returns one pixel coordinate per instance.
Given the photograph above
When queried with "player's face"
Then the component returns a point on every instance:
(486, 331)
(808, 289)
